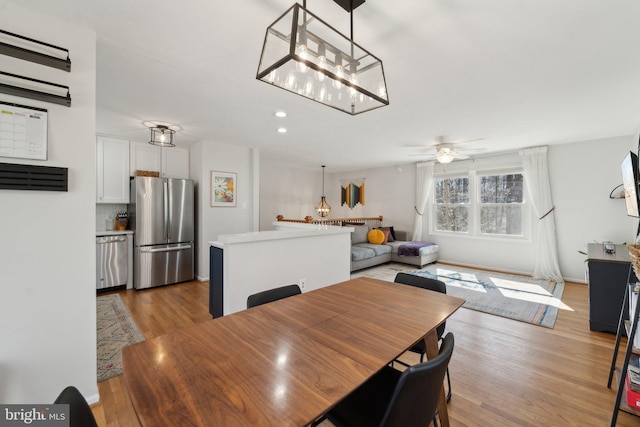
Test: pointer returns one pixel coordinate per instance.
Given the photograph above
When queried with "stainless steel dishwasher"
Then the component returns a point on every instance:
(111, 261)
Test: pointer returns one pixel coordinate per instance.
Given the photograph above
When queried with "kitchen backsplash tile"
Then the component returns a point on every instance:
(105, 214)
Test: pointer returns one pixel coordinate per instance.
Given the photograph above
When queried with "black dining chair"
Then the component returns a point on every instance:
(397, 399)
(80, 414)
(432, 285)
(272, 295)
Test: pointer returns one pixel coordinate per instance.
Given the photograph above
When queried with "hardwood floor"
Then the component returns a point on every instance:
(503, 372)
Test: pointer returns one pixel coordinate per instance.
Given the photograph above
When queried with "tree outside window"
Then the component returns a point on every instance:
(497, 203)
(452, 204)
(501, 204)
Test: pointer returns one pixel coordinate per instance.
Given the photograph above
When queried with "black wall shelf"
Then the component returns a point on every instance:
(35, 94)
(31, 177)
(34, 56)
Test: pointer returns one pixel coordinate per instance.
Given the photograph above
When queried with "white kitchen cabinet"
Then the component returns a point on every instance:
(171, 162)
(145, 157)
(112, 165)
(175, 162)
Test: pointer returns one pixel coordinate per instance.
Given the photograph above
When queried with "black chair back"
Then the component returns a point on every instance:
(415, 399)
(272, 295)
(424, 283)
(80, 414)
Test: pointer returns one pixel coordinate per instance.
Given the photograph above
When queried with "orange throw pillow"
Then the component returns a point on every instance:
(376, 237)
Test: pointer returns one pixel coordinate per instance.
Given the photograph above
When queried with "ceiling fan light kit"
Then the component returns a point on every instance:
(305, 55)
(445, 155)
(445, 150)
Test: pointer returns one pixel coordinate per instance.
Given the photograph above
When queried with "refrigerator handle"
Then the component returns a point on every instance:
(165, 199)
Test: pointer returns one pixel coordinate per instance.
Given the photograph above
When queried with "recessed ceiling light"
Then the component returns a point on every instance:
(282, 130)
(281, 114)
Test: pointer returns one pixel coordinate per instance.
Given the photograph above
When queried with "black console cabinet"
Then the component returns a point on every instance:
(608, 275)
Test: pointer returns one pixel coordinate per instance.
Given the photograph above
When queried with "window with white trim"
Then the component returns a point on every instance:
(452, 203)
(490, 204)
(501, 200)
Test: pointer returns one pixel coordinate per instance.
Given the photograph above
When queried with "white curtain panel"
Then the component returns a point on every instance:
(424, 179)
(536, 178)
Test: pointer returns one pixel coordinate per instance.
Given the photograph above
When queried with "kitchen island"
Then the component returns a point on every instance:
(302, 254)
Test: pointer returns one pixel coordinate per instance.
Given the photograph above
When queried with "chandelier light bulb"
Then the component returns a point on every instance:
(322, 63)
(340, 73)
(322, 96)
(290, 82)
(272, 76)
(308, 88)
(353, 79)
(303, 53)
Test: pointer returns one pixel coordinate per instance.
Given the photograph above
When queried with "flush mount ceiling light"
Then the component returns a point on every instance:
(162, 133)
(323, 209)
(305, 55)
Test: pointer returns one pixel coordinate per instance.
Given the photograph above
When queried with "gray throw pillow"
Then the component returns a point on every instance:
(359, 234)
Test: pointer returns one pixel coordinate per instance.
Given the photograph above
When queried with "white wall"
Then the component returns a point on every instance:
(47, 239)
(287, 190)
(294, 192)
(214, 221)
(582, 176)
(389, 191)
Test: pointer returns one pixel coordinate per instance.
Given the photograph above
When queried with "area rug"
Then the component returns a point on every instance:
(515, 297)
(116, 329)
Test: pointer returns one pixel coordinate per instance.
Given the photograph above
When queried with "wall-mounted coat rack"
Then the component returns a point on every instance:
(24, 92)
(10, 45)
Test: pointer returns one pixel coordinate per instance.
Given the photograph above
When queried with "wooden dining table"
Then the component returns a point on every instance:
(285, 363)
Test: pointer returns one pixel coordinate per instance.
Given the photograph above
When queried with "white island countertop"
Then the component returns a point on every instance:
(288, 232)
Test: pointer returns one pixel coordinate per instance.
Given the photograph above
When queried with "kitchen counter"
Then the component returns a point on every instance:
(112, 232)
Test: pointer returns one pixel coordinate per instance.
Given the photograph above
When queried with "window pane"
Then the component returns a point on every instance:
(452, 190)
(452, 218)
(501, 188)
(502, 219)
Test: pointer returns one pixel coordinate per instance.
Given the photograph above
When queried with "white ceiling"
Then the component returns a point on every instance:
(517, 73)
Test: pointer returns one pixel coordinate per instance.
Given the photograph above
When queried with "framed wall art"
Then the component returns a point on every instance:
(223, 188)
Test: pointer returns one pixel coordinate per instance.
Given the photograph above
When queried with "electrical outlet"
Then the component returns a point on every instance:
(302, 283)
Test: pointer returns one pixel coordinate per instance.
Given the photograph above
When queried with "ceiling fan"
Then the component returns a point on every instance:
(445, 151)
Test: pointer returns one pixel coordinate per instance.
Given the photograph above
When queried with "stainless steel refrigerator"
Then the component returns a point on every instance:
(161, 213)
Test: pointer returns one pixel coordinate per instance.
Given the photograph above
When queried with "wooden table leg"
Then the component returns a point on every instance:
(431, 346)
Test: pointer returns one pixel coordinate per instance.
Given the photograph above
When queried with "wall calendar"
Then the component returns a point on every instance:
(23, 131)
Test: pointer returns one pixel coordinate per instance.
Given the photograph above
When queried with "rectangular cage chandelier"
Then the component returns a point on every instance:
(305, 55)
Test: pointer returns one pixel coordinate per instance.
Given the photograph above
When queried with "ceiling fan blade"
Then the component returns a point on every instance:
(427, 155)
(464, 141)
(471, 150)
(421, 146)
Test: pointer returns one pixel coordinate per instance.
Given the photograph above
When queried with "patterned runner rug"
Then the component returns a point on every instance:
(116, 329)
(515, 297)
